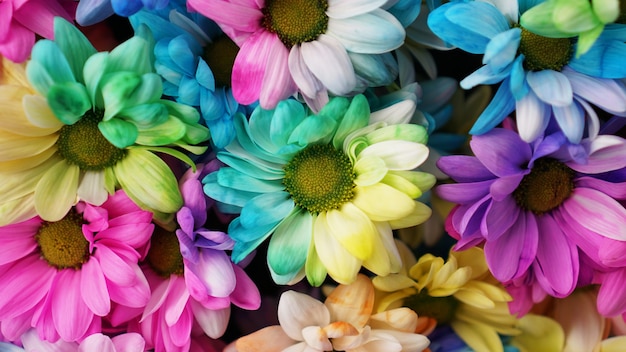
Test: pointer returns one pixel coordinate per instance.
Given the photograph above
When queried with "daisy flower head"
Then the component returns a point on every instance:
(458, 292)
(61, 277)
(296, 46)
(329, 188)
(346, 321)
(557, 197)
(195, 59)
(91, 122)
(581, 18)
(541, 78)
(90, 12)
(19, 28)
(193, 279)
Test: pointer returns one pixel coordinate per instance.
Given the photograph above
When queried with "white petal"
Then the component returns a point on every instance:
(398, 155)
(91, 188)
(533, 117)
(350, 8)
(297, 310)
(551, 86)
(327, 59)
(376, 32)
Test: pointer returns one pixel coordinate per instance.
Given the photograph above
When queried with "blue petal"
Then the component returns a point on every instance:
(224, 194)
(571, 119)
(406, 11)
(605, 59)
(266, 208)
(126, 8)
(500, 107)
(231, 178)
(91, 12)
(519, 87)
(205, 76)
(189, 91)
(246, 239)
(502, 49)
(160, 27)
(222, 131)
(184, 53)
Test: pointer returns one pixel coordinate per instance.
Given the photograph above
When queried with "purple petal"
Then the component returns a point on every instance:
(464, 193)
(597, 212)
(611, 189)
(194, 198)
(504, 186)
(467, 219)
(500, 216)
(463, 168)
(606, 153)
(501, 151)
(612, 296)
(556, 267)
(511, 255)
(214, 269)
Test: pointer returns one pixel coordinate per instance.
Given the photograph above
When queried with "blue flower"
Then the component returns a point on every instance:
(194, 58)
(539, 76)
(93, 11)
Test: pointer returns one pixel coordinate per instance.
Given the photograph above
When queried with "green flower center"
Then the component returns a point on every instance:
(320, 178)
(547, 185)
(164, 255)
(442, 309)
(295, 21)
(84, 145)
(543, 53)
(62, 243)
(220, 56)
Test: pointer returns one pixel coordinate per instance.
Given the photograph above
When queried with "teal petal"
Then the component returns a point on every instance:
(247, 240)
(314, 129)
(116, 89)
(249, 147)
(93, 72)
(231, 178)
(119, 132)
(335, 108)
(74, 45)
(224, 194)
(69, 101)
(357, 116)
(146, 115)
(256, 170)
(134, 55)
(260, 122)
(266, 208)
(48, 66)
(287, 115)
(289, 245)
(162, 134)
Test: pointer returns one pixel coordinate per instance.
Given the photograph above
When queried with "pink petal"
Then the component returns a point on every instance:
(611, 189)
(70, 314)
(230, 14)
(159, 296)
(129, 342)
(214, 269)
(134, 296)
(114, 268)
(251, 64)
(13, 329)
(24, 285)
(17, 46)
(134, 234)
(119, 204)
(176, 301)
(606, 153)
(597, 212)
(197, 290)
(6, 16)
(556, 267)
(18, 240)
(512, 253)
(97, 342)
(277, 82)
(93, 288)
(180, 331)
(246, 295)
(612, 296)
(43, 23)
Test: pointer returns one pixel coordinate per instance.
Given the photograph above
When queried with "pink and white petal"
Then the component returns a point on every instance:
(176, 302)
(277, 83)
(597, 212)
(304, 79)
(213, 322)
(328, 60)
(615, 190)
(245, 295)
(18, 45)
(605, 93)
(71, 316)
(606, 153)
(129, 342)
(97, 342)
(297, 310)
(93, 288)
(214, 269)
(180, 331)
(240, 17)
(251, 64)
(33, 342)
(532, 117)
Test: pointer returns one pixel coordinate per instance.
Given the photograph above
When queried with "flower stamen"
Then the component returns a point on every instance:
(543, 53)
(548, 185)
(164, 255)
(62, 243)
(295, 21)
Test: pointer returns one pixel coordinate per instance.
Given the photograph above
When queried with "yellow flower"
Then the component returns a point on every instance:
(460, 292)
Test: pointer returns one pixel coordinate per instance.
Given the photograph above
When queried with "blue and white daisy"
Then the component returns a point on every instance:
(540, 76)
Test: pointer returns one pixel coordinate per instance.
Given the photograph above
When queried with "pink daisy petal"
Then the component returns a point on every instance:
(93, 288)
(17, 241)
(611, 189)
(611, 299)
(129, 342)
(606, 153)
(18, 295)
(134, 296)
(97, 218)
(17, 46)
(597, 212)
(6, 15)
(97, 342)
(180, 331)
(70, 314)
(158, 296)
(197, 290)
(277, 82)
(135, 234)
(213, 322)
(242, 17)
(176, 301)
(250, 66)
(246, 295)
(43, 23)
(114, 268)
(119, 204)
(214, 269)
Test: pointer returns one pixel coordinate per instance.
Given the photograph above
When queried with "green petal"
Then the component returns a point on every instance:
(134, 55)
(185, 113)
(586, 40)
(539, 20)
(147, 179)
(116, 89)
(74, 45)
(69, 101)
(402, 185)
(313, 129)
(145, 115)
(607, 11)
(423, 180)
(314, 269)
(357, 116)
(48, 66)
(93, 72)
(335, 108)
(196, 133)
(540, 334)
(404, 132)
(56, 191)
(119, 132)
(289, 245)
(163, 134)
(575, 16)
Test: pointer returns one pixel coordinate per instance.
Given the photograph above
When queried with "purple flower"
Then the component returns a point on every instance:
(538, 208)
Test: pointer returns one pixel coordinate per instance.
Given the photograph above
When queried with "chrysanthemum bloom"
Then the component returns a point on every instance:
(569, 18)
(459, 292)
(18, 26)
(93, 11)
(556, 197)
(541, 78)
(329, 188)
(60, 277)
(344, 322)
(193, 279)
(93, 122)
(126, 342)
(195, 59)
(300, 46)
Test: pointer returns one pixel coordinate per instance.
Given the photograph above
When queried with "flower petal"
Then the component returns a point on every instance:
(55, 193)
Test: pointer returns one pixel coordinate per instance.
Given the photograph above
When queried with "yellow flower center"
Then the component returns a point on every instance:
(547, 185)
(220, 56)
(442, 309)
(295, 21)
(320, 178)
(543, 53)
(62, 243)
(164, 255)
(83, 144)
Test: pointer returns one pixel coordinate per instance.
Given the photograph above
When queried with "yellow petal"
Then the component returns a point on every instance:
(352, 303)
(420, 213)
(394, 300)
(56, 191)
(539, 334)
(340, 264)
(402, 319)
(13, 73)
(382, 202)
(613, 344)
(393, 282)
(403, 185)
(14, 118)
(18, 184)
(39, 113)
(479, 337)
(369, 170)
(379, 261)
(92, 189)
(17, 210)
(15, 146)
(23, 164)
(353, 229)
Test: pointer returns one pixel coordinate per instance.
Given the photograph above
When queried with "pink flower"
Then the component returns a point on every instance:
(20, 20)
(62, 277)
(129, 342)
